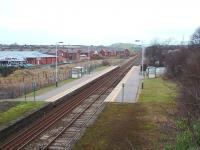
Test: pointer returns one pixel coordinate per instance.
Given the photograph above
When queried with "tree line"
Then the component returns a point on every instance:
(182, 64)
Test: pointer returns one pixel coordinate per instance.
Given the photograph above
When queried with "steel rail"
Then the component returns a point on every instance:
(30, 134)
(78, 116)
(45, 123)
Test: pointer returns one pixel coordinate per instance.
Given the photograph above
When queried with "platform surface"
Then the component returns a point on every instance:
(131, 83)
(70, 87)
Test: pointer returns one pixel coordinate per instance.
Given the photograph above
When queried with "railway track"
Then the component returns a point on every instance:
(58, 129)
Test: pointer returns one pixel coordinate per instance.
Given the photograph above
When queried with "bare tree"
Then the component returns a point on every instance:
(175, 62)
(195, 39)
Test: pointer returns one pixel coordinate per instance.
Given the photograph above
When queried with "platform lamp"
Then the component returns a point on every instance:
(57, 62)
(142, 61)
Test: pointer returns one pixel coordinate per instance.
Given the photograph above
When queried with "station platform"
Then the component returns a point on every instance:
(129, 92)
(56, 93)
(70, 87)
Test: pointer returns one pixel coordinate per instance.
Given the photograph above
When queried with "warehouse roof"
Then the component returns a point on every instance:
(21, 55)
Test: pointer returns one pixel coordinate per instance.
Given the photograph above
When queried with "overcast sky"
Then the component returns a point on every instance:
(95, 22)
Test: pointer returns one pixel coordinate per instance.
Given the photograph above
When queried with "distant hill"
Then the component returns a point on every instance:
(130, 46)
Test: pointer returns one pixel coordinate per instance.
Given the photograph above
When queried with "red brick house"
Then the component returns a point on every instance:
(62, 55)
(123, 53)
(126, 52)
(41, 60)
(73, 55)
(107, 53)
(102, 52)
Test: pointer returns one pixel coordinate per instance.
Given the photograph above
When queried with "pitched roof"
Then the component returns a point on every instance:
(21, 55)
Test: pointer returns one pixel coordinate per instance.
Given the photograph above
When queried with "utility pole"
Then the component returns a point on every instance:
(25, 92)
(57, 63)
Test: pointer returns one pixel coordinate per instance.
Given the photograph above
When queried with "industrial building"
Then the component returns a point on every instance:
(15, 58)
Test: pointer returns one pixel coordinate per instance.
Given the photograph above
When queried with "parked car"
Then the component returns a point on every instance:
(26, 65)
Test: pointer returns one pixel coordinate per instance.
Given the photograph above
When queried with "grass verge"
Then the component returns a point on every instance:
(61, 83)
(48, 88)
(133, 126)
(101, 68)
(158, 90)
(18, 111)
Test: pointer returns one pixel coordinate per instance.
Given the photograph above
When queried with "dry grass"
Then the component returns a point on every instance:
(15, 84)
(28, 76)
(42, 74)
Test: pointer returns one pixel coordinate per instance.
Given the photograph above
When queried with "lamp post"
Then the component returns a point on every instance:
(57, 62)
(142, 66)
(88, 68)
(142, 61)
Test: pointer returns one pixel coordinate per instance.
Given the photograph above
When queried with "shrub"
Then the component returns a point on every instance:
(105, 63)
(196, 128)
(184, 140)
(5, 71)
(181, 124)
(187, 138)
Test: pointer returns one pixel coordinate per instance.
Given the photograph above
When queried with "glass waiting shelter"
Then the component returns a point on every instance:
(151, 72)
(77, 72)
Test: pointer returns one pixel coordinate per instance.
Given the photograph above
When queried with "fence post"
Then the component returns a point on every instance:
(34, 90)
(123, 85)
(25, 92)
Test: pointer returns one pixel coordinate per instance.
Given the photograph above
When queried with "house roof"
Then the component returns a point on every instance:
(21, 55)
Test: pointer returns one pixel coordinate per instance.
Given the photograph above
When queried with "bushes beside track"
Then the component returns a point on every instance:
(5, 71)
